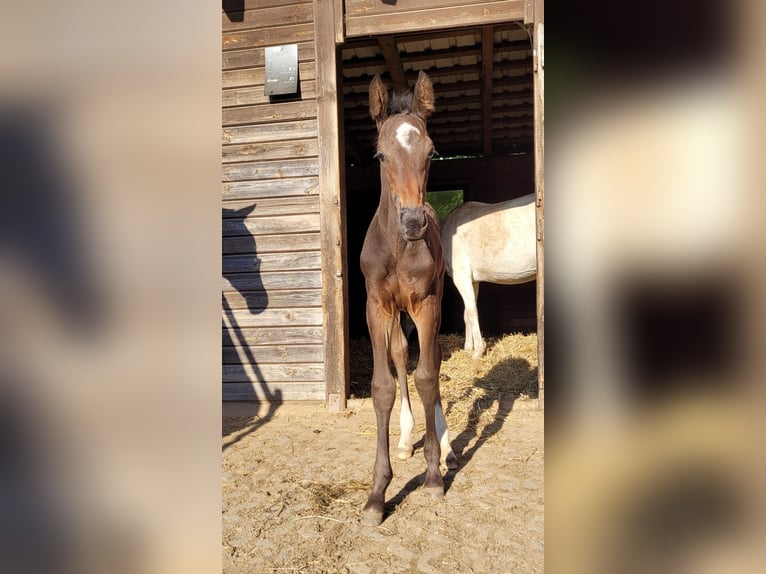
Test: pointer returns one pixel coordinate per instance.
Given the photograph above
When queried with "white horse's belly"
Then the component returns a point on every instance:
(502, 246)
(518, 274)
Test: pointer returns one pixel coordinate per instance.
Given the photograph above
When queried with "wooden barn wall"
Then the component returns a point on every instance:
(502, 308)
(365, 17)
(272, 336)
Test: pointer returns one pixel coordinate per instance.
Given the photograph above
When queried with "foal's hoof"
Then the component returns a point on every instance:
(450, 463)
(372, 517)
(435, 492)
(403, 453)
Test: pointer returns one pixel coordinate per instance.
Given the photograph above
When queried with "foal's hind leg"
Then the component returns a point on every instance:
(448, 460)
(406, 420)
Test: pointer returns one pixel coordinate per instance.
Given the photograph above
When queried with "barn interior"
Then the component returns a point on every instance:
(482, 129)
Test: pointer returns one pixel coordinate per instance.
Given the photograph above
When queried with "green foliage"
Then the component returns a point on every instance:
(444, 201)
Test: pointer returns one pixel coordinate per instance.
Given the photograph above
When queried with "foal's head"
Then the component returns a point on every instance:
(404, 150)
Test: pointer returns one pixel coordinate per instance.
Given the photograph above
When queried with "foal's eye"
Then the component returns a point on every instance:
(432, 153)
(380, 157)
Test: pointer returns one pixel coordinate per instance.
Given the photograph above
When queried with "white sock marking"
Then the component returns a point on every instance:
(442, 432)
(406, 425)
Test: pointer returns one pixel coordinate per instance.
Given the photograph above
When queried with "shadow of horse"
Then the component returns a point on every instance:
(500, 391)
(243, 274)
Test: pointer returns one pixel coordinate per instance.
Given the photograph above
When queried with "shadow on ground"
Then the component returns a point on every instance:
(498, 390)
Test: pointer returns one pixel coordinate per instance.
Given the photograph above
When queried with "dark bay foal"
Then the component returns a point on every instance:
(403, 266)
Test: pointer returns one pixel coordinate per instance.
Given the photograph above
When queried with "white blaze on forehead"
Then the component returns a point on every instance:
(403, 134)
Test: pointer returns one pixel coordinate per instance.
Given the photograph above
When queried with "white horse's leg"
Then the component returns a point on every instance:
(406, 419)
(468, 291)
(478, 340)
(448, 458)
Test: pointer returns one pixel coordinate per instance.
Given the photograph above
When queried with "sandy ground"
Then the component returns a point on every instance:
(295, 481)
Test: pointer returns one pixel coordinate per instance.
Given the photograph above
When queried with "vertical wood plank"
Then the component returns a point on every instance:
(529, 11)
(539, 98)
(390, 52)
(339, 20)
(331, 203)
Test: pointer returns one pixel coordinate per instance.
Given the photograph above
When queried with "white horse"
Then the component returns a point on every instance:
(489, 242)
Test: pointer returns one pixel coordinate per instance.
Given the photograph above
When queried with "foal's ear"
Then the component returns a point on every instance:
(423, 96)
(378, 100)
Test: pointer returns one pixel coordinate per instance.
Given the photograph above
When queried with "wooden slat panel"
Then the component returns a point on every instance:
(280, 298)
(272, 354)
(256, 57)
(267, 17)
(273, 36)
(273, 340)
(271, 113)
(279, 336)
(300, 261)
(269, 243)
(396, 19)
(355, 8)
(272, 392)
(270, 188)
(255, 226)
(276, 280)
(461, 70)
(274, 373)
(254, 95)
(242, 77)
(234, 7)
(293, 317)
(284, 131)
(273, 206)
(270, 169)
(269, 151)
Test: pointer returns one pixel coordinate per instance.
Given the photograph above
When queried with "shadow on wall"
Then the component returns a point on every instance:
(242, 378)
(234, 9)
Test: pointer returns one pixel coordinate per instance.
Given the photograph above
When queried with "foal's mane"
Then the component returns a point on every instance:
(400, 102)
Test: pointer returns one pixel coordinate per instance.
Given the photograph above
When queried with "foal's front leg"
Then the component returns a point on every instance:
(383, 395)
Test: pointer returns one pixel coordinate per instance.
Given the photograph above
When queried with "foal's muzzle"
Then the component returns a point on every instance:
(413, 223)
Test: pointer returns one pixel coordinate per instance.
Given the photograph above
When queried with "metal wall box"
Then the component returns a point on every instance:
(281, 70)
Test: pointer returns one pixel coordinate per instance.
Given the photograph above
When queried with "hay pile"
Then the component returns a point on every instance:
(473, 390)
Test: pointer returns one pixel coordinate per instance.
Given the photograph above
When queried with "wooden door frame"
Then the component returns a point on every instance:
(330, 34)
(328, 15)
(538, 66)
